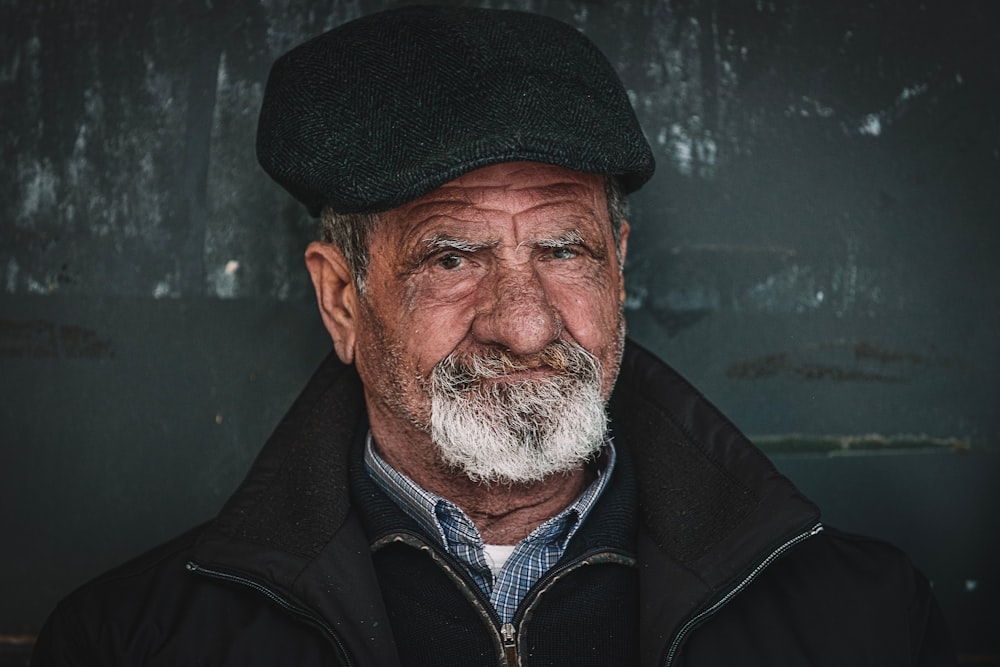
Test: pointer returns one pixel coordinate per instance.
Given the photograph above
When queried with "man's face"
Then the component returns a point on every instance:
(508, 263)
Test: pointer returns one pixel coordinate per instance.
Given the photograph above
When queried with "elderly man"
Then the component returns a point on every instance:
(447, 490)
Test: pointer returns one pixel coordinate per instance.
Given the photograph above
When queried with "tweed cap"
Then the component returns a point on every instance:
(383, 109)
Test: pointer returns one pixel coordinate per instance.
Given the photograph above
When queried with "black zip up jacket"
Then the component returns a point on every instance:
(732, 564)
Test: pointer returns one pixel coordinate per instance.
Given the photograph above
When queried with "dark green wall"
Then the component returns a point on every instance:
(818, 252)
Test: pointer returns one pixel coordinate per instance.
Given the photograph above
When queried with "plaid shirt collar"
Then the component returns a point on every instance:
(457, 534)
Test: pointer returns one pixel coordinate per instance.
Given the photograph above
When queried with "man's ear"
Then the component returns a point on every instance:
(622, 250)
(336, 296)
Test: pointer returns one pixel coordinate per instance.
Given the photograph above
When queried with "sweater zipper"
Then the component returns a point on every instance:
(278, 599)
(509, 632)
(699, 618)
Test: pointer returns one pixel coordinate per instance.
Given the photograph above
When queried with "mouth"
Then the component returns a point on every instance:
(510, 378)
(493, 371)
(520, 374)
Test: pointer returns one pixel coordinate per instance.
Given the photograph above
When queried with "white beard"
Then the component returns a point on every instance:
(517, 431)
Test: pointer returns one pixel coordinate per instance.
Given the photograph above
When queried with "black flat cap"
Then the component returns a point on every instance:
(381, 110)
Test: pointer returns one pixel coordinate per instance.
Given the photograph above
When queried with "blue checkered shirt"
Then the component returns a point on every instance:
(456, 533)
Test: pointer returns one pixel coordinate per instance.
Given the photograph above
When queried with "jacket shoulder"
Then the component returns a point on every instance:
(852, 569)
(836, 598)
(121, 598)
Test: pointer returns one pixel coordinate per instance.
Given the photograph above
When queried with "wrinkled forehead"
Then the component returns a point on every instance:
(515, 191)
(527, 182)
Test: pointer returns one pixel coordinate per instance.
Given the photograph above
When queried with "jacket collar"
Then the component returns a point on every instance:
(712, 506)
(706, 493)
(279, 525)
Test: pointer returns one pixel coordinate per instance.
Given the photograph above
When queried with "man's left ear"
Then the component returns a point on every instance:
(336, 296)
(622, 249)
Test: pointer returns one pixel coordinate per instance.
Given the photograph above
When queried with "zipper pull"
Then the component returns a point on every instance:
(509, 637)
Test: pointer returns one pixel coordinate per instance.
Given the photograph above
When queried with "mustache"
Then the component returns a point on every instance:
(460, 371)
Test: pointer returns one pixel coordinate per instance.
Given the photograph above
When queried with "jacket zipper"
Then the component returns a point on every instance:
(508, 632)
(508, 635)
(697, 620)
(281, 601)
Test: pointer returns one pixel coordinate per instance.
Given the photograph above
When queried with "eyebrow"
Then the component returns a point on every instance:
(443, 241)
(569, 238)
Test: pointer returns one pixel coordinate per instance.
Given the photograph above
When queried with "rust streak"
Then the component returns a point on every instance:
(839, 360)
(735, 249)
(43, 339)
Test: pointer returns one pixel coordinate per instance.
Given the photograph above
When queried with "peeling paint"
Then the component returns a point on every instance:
(13, 269)
(38, 189)
(162, 289)
(224, 281)
(764, 278)
(874, 124)
(809, 107)
(689, 63)
(871, 125)
(794, 289)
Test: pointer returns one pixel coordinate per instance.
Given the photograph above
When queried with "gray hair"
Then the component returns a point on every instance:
(350, 231)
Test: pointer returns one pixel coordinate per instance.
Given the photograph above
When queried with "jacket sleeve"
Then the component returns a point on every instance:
(931, 640)
(63, 641)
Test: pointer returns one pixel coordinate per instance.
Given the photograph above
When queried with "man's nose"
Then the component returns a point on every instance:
(516, 313)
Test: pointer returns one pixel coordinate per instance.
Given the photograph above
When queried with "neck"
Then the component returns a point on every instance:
(503, 513)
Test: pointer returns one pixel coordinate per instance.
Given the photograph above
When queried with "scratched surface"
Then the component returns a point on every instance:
(817, 252)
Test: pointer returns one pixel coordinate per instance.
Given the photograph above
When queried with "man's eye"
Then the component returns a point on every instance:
(449, 261)
(563, 253)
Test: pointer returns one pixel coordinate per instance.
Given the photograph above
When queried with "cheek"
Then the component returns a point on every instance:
(590, 313)
(593, 319)
(444, 294)
(434, 321)
(380, 352)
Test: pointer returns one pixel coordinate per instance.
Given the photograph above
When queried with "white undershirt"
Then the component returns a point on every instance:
(497, 555)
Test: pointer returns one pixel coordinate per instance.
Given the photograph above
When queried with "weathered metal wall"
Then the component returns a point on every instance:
(818, 252)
